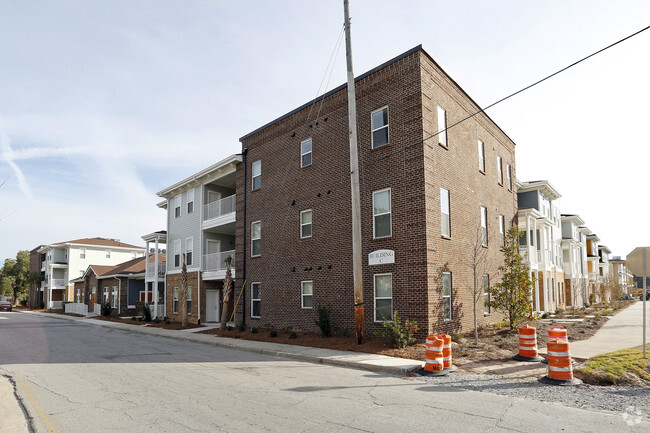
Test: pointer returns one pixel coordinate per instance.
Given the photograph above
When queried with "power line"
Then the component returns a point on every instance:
(537, 82)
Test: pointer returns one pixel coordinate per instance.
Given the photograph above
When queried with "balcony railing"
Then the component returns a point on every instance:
(219, 208)
(217, 261)
(58, 283)
(151, 270)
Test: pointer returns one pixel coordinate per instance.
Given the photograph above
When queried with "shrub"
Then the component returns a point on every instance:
(134, 318)
(273, 333)
(157, 320)
(146, 312)
(293, 335)
(229, 328)
(559, 311)
(398, 334)
(241, 326)
(345, 332)
(545, 315)
(324, 321)
(167, 321)
(106, 309)
(254, 330)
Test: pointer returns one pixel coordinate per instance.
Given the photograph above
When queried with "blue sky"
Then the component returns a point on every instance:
(102, 104)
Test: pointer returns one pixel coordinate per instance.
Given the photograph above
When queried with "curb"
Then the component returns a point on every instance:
(373, 363)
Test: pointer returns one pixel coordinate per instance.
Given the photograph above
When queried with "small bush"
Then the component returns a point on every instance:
(559, 311)
(167, 321)
(157, 320)
(293, 335)
(398, 334)
(254, 330)
(146, 312)
(106, 309)
(140, 319)
(345, 332)
(241, 326)
(229, 328)
(545, 315)
(134, 318)
(324, 321)
(273, 333)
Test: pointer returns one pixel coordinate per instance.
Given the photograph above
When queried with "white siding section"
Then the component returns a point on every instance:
(187, 225)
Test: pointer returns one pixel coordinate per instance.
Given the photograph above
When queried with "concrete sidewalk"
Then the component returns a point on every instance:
(365, 361)
(622, 331)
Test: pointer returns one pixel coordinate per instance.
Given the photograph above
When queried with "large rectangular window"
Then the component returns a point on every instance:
(256, 299)
(256, 238)
(509, 176)
(442, 126)
(444, 212)
(305, 153)
(381, 212)
(114, 297)
(107, 253)
(481, 156)
(175, 301)
(446, 295)
(502, 229)
(177, 206)
(190, 201)
(500, 170)
(189, 300)
(486, 293)
(189, 251)
(307, 294)
(379, 125)
(177, 253)
(484, 227)
(383, 297)
(82, 253)
(257, 175)
(305, 224)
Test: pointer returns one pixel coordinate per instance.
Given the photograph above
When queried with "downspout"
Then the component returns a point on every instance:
(119, 295)
(198, 273)
(244, 152)
(198, 293)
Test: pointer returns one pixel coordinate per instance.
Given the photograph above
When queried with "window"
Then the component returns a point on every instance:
(189, 250)
(442, 126)
(108, 254)
(175, 303)
(486, 293)
(484, 230)
(82, 253)
(177, 253)
(383, 297)
(81, 273)
(190, 201)
(256, 299)
(379, 125)
(481, 156)
(256, 238)
(446, 295)
(502, 229)
(499, 170)
(177, 206)
(114, 297)
(189, 300)
(305, 153)
(133, 255)
(509, 176)
(305, 224)
(444, 212)
(381, 212)
(257, 175)
(105, 294)
(307, 294)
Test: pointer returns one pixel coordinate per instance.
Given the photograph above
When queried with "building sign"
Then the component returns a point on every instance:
(381, 257)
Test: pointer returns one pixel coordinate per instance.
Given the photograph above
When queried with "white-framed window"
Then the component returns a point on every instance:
(190, 201)
(305, 153)
(114, 297)
(108, 254)
(189, 300)
(189, 251)
(446, 295)
(509, 176)
(177, 253)
(81, 273)
(484, 228)
(502, 229)
(445, 221)
(256, 299)
(381, 213)
(177, 206)
(82, 253)
(256, 238)
(379, 126)
(105, 294)
(307, 294)
(305, 224)
(442, 126)
(256, 175)
(383, 289)
(175, 301)
(499, 170)
(486, 293)
(481, 156)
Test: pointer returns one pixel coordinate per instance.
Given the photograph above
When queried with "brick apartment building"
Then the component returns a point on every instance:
(424, 197)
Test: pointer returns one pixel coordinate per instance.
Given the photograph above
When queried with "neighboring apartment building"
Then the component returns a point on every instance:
(426, 192)
(621, 276)
(201, 230)
(541, 242)
(593, 267)
(60, 262)
(156, 272)
(574, 252)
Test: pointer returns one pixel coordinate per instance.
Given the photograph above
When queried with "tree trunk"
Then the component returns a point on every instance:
(227, 295)
(183, 295)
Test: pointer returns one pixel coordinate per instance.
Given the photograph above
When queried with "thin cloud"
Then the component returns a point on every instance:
(7, 155)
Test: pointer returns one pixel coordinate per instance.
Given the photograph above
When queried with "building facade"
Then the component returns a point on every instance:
(574, 253)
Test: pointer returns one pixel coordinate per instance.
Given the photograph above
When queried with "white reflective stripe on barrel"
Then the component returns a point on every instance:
(434, 361)
(434, 349)
(528, 348)
(558, 369)
(528, 337)
(559, 354)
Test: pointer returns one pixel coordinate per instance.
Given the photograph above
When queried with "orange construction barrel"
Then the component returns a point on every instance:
(527, 345)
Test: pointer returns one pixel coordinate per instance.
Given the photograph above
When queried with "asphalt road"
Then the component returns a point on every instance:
(78, 377)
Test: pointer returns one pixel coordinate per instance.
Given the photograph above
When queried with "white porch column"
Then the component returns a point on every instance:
(50, 271)
(155, 284)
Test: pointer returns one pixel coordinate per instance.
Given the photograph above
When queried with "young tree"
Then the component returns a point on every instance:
(513, 295)
(476, 260)
(182, 296)
(227, 293)
(15, 277)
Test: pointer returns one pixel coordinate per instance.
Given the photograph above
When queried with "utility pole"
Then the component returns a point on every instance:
(357, 261)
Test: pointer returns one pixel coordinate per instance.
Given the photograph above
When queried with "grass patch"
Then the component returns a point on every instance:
(614, 368)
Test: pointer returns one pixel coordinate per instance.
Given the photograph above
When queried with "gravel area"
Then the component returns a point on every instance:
(617, 399)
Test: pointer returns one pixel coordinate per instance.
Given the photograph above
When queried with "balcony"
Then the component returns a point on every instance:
(214, 265)
(219, 212)
(151, 271)
(58, 283)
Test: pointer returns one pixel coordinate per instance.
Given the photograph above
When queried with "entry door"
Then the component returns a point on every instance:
(211, 306)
